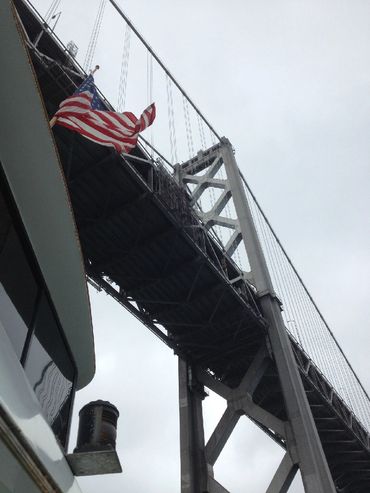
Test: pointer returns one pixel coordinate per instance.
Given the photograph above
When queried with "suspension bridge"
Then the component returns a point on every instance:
(173, 233)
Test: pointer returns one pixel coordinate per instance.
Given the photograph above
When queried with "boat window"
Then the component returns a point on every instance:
(27, 316)
(12, 322)
(18, 287)
(50, 371)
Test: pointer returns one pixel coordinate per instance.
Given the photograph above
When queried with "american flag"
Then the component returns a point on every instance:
(84, 113)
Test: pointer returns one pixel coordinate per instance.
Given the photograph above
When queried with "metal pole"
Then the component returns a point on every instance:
(305, 443)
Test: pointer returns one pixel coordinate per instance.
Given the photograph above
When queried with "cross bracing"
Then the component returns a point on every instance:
(179, 279)
(302, 318)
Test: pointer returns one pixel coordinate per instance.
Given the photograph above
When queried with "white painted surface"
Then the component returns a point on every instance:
(19, 402)
(31, 165)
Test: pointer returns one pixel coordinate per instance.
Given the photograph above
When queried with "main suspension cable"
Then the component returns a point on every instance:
(161, 64)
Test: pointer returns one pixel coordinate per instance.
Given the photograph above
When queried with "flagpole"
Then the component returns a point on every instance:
(52, 122)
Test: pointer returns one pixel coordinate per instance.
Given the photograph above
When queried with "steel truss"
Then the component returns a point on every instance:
(304, 448)
(197, 457)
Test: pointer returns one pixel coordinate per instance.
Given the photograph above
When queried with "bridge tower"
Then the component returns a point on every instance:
(303, 446)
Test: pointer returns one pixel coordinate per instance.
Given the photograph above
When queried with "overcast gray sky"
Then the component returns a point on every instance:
(288, 82)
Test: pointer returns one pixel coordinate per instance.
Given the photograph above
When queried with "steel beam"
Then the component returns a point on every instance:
(215, 487)
(255, 372)
(239, 401)
(215, 385)
(257, 413)
(194, 474)
(312, 461)
(198, 460)
(221, 434)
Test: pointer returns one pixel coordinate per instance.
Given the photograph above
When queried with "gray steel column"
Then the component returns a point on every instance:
(194, 474)
(305, 443)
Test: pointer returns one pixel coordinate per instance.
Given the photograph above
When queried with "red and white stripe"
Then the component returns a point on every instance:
(108, 128)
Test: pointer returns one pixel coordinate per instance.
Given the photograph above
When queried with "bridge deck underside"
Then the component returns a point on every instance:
(128, 239)
(137, 241)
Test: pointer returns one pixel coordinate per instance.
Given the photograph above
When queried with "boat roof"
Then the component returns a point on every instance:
(31, 164)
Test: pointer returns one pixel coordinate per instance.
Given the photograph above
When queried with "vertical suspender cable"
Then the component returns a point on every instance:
(201, 132)
(122, 86)
(149, 78)
(51, 10)
(171, 121)
(189, 134)
(160, 63)
(149, 84)
(94, 37)
(342, 365)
